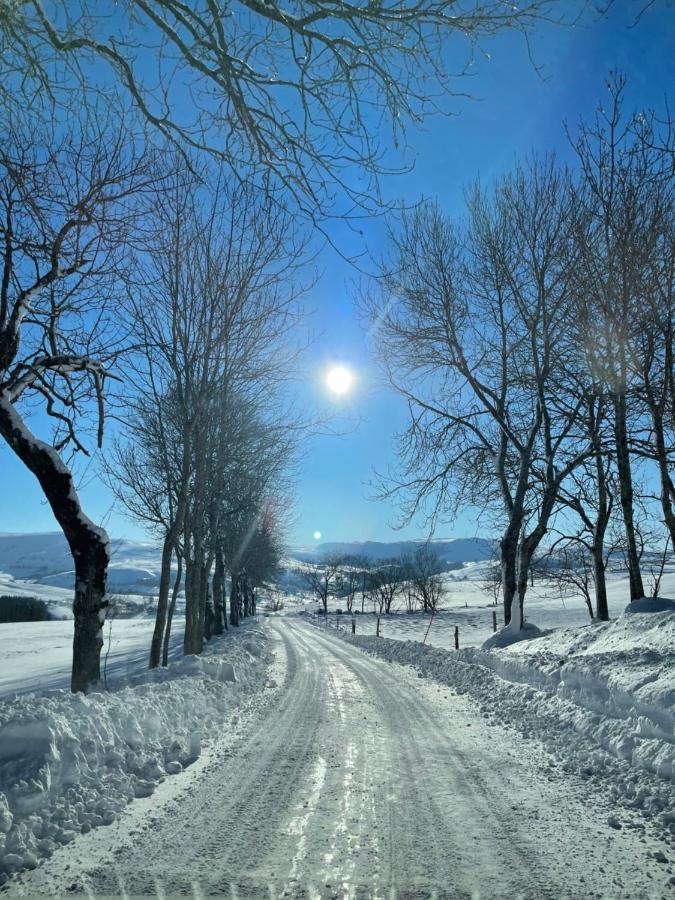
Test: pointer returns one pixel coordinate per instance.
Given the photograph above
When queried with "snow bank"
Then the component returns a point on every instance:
(69, 763)
(506, 636)
(600, 697)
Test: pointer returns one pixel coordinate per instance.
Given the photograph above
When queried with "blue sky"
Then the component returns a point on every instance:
(519, 109)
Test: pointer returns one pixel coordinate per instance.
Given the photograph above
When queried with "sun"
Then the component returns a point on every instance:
(317, 535)
(339, 380)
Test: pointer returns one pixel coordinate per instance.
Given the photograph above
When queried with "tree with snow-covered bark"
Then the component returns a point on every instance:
(66, 209)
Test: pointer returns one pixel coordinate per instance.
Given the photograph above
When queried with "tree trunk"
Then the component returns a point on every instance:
(508, 549)
(598, 546)
(626, 494)
(664, 473)
(205, 630)
(218, 593)
(172, 609)
(234, 600)
(192, 595)
(163, 598)
(87, 542)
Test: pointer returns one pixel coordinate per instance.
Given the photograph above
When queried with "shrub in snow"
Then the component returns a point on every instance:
(71, 762)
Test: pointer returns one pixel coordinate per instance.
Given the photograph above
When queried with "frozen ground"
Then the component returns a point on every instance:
(350, 776)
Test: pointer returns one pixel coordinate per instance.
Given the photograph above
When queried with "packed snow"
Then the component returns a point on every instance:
(600, 697)
(348, 776)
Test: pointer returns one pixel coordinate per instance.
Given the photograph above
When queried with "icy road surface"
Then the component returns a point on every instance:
(352, 777)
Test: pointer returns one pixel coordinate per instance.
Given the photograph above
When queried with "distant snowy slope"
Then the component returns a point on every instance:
(45, 558)
(34, 555)
(450, 551)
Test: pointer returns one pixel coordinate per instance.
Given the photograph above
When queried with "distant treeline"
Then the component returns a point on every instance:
(22, 609)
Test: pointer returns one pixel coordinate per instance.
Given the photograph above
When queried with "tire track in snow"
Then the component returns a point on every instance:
(360, 780)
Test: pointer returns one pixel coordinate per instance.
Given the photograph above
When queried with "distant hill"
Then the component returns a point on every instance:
(452, 552)
(134, 569)
(45, 558)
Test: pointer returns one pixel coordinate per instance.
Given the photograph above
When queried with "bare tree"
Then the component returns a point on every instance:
(293, 91)
(425, 579)
(472, 329)
(210, 311)
(387, 582)
(350, 579)
(67, 208)
(323, 578)
(623, 274)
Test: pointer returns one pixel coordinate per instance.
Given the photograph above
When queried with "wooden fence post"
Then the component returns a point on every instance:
(353, 626)
(377, 630)
(456, 637)
(494, 620)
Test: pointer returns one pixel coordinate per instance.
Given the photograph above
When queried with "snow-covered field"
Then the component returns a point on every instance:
(37, 656)
(69, 763)
(466, 604)
(59, 600)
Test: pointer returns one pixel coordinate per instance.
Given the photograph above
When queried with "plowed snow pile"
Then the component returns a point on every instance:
(600, 697)
(71, 762)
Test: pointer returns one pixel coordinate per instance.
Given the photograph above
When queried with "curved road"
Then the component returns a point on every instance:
(358, 779)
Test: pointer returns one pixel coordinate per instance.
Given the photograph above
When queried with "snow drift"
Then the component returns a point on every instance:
(69, 763)
(600, 697)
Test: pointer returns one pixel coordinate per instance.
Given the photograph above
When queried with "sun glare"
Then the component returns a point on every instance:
(317, 535)
(339, 379)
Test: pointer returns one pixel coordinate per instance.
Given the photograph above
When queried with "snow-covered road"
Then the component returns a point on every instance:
(355, 778)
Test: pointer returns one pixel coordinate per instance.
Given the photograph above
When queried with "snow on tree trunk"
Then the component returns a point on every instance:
(87, 542)
(515, 623)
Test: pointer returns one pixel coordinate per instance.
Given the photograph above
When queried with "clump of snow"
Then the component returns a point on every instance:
(600, 697)
(506, 636)
(70, 763)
